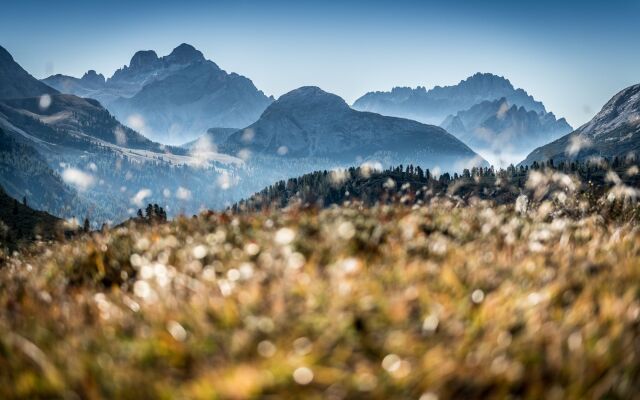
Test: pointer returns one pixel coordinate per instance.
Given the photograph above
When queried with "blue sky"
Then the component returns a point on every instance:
(572, 56)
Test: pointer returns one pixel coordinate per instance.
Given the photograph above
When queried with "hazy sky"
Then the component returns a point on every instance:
(572, 56)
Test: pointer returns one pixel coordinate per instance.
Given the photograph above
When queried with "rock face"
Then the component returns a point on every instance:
(308, 122)
(184, 54)
(141, 61)
(92, 78)
(499, 125)
(174, 98)
(613, 132)
(15, 82)
(185, 104)
(434, 105)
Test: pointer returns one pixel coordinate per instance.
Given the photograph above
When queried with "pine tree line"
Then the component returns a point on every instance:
(323, 188)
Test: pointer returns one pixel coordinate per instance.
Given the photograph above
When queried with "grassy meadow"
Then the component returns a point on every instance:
(432, 300)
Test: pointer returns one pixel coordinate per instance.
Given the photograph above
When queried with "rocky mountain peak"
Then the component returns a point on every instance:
(435, 104)
(486, 83)
(308, 100)
(185, 54)
(613, 132)
(143, 59)
(92, 77)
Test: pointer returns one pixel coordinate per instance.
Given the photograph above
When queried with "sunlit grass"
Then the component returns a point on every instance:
(533, 300)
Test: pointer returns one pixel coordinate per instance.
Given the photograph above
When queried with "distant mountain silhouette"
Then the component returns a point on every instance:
(434, 105)
(613, 132)
(309, 122)
(174, 98)
(499, 125)
(89, 85)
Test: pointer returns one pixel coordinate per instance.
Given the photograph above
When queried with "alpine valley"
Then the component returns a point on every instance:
(279, 212)
(72, 157)
(65, 149)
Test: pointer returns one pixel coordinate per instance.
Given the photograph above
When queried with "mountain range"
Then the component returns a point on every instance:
(171, 99)
(69, 156)
(498, 125)
(434, 105)
(613, 132)
(311, 123)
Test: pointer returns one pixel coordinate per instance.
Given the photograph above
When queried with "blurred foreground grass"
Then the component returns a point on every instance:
(423, 302)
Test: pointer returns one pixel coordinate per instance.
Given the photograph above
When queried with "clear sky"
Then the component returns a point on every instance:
(572, 55)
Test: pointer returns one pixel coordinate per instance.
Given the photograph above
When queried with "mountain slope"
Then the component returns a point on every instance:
(613, 132)
(308, 122)
(174, 98)
(434, 105)
(106, 163)
(184, 105)
(71, 157)
(74, 121)
(25, 173)
(59, 118)
(15, 82)
(498, 125)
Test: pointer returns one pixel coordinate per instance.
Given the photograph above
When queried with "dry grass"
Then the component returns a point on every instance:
(426, 302)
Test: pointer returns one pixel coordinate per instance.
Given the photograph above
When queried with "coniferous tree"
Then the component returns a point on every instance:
(149, 211)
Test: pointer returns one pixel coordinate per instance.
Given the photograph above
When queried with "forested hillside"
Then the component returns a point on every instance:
(26, 173)
(20, 224)
(416, 185)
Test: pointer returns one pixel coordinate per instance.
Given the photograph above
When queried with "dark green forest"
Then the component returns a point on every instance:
(412, 184)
